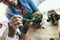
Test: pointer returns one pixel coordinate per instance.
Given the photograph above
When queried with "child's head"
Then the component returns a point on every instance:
(52, 12)
(51, 38)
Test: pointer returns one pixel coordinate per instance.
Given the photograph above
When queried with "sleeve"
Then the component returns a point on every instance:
(13, 11)
(10, 13)
(33, 6)
(9, 38)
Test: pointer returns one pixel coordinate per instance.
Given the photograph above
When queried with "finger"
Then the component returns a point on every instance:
(16, 19)
(14, 26)
(18, 22)
(17, 16)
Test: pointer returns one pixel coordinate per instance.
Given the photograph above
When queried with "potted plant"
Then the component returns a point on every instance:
(37, 19)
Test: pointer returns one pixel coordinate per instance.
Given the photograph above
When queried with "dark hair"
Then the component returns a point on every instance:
(51, 11)
(20, 4)
(51, 38)
(3, 0)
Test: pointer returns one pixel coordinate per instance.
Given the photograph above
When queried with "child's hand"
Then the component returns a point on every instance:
(42, 23)
(13, 25)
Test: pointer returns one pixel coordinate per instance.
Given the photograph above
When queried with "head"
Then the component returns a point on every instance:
(13, 2)
(52, 12)
(51, 38)
(1, 0)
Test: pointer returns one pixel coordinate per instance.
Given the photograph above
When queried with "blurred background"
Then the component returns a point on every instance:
(46, 5)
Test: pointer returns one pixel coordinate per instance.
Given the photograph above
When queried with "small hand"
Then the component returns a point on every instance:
(14, 23)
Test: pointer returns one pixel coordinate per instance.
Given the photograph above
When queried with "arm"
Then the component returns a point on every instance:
(33, 6)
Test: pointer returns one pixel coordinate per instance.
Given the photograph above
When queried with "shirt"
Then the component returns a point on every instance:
(9, 38)
(27, 5)
(3, 18)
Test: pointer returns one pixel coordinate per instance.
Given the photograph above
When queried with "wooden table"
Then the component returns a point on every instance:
(50, 31)
(45, 34)
(59, 28)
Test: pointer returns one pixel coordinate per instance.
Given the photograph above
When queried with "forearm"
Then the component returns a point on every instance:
(12, 32)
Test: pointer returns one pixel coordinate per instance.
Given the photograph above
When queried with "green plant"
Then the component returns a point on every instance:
(37, 17)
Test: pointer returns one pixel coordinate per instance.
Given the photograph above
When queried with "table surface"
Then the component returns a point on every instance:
(45, 34)
(50, 31)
